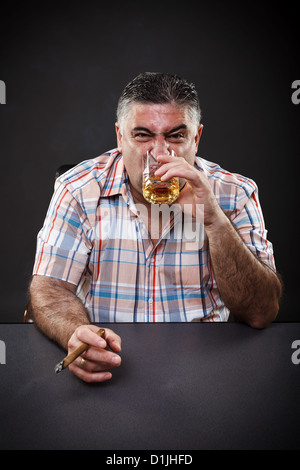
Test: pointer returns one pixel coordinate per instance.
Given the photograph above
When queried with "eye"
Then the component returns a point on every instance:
(178, 137)
(142, 136)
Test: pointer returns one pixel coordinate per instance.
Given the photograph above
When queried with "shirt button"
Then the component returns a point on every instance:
(150, 301)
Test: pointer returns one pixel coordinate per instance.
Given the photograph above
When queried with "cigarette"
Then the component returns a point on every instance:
(76, 353)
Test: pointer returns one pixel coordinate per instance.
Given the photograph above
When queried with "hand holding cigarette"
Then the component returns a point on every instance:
(88, 357)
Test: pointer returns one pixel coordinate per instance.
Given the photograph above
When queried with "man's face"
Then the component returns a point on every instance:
(159, 128)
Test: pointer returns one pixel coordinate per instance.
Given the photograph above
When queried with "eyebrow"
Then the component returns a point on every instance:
(171, 131)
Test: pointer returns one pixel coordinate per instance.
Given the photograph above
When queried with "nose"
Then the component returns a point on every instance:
(160, 147)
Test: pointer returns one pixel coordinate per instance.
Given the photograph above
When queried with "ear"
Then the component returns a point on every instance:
(198, 136)
(119, 137)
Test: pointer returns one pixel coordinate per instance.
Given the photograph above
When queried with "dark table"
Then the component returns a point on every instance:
(180, 387)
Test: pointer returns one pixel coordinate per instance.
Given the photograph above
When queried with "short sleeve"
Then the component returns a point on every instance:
(249, 221)
(63, 246)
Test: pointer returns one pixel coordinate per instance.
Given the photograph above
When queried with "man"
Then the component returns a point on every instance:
(101, 257)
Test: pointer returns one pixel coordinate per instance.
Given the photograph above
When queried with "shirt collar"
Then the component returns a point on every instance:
(116, 175)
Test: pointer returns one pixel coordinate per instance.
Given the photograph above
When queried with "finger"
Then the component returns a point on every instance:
(113, 340)
(88, 376)
(101, 359)
(168, 171)
(163, 169)
(166, 166)
(90, 366)
(88, 334)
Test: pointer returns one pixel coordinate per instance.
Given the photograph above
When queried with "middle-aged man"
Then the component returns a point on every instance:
(102, 256)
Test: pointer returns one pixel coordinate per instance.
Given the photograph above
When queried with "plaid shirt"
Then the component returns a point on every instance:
(124, 278)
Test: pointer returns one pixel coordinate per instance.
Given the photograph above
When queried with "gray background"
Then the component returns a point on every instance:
(65, 65)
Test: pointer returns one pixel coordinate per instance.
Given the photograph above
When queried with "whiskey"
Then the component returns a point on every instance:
(156, 191)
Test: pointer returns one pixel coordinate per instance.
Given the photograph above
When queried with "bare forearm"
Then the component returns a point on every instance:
(56, 309)
(250, 289)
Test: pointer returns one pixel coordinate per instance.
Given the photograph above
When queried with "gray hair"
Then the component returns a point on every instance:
(159, 88)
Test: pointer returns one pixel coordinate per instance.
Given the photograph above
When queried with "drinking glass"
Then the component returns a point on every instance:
(156, 191)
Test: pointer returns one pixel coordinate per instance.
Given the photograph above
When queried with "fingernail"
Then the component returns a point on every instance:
(117, 346)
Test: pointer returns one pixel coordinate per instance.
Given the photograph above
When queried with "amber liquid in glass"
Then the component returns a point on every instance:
(156, 191)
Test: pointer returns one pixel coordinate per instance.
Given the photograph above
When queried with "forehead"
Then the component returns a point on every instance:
(157, 117)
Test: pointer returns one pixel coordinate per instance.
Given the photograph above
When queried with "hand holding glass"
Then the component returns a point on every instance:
(156, 191)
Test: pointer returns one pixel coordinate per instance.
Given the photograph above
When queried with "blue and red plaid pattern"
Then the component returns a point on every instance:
(124, 278)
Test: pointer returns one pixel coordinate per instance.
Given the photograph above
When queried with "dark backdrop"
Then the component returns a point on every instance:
(65, 64)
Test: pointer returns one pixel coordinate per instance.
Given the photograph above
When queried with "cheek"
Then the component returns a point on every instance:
(133, 156)
(188, 153)
(134, 167)
(191, 159)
